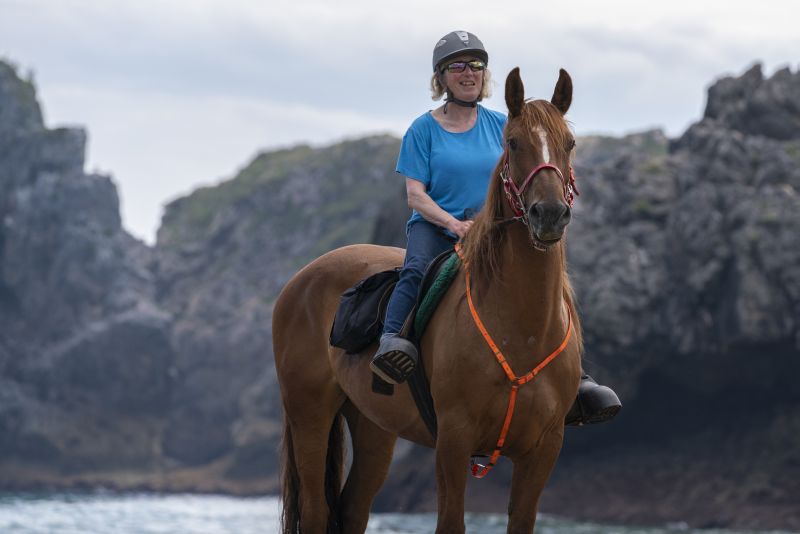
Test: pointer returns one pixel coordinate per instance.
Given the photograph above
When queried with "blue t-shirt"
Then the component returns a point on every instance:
(455, 167)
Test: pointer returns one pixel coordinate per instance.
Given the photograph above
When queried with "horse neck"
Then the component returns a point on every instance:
(530, 291)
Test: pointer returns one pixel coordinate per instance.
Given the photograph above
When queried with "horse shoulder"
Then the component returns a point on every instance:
(463, 373)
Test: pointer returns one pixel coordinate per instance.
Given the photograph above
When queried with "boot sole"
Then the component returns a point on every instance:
(383, 376)
(393, 360)
(603, 415)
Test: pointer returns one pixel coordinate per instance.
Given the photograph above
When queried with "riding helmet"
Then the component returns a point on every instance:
(457, 43)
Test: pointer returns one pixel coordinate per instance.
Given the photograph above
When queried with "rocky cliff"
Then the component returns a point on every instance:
(688, 269)
(151, 367)
(77, 308)
(223, 254)
(685, 259)
(137, 367)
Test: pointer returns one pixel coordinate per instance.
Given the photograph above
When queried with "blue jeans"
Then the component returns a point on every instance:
(425, 242)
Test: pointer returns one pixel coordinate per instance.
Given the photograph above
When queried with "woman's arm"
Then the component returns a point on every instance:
(419, 200)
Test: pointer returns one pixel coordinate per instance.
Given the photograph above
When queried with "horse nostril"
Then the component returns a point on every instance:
(567, 216)
(536, 212)
(551, 215)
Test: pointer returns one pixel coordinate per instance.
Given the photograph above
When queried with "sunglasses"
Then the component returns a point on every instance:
(460, 66)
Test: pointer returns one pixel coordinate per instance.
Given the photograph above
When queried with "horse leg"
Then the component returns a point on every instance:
(452, 461)
(317, 444)
(372, 454)
(441, 491)
(530, 475)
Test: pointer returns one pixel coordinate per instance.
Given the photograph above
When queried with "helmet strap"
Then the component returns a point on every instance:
(462, 103)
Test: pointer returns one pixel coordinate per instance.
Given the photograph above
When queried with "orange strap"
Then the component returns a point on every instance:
(478, 470)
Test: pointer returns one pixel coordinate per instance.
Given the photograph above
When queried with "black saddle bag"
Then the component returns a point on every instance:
(359, 318)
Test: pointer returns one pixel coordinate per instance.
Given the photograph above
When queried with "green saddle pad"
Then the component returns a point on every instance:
(434, 294)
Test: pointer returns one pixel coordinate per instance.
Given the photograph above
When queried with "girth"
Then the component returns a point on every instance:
(437, 279)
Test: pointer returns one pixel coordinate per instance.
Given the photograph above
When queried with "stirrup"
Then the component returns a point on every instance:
(594, 404)
(395, 360)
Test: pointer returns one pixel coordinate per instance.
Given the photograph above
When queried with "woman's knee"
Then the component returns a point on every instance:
(415, 268)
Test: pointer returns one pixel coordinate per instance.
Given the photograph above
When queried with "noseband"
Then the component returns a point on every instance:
(515, 194)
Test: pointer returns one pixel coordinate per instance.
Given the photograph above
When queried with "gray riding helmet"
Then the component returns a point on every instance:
(457, 43)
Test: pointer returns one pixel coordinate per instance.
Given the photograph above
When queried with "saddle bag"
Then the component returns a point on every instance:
(359, 318)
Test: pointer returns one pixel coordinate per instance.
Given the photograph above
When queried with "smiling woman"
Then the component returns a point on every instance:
(447, 157)
(439, 85)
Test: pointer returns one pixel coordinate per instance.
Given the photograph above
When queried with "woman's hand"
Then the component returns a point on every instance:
(459, 227)
(419, 200)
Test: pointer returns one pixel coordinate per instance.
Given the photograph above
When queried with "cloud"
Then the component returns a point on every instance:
(158, 146)
(177, 94)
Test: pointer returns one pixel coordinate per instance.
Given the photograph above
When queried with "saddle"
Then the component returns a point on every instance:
(437, 279)
(362, 309)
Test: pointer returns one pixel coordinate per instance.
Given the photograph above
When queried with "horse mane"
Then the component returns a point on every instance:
(569, 298)
(482, 245)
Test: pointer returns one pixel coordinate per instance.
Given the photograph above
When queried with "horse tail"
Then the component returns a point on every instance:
(290, 487)
(334, 465)
(290, 484)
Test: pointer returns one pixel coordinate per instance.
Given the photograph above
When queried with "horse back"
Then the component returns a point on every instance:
(305, 308)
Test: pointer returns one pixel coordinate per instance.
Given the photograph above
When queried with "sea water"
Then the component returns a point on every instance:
(111, 513)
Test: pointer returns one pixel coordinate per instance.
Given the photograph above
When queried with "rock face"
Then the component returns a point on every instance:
(143, 367)
(687, 267)
(685, 259)
(223, 254)
(754, 106)
(76, 306)
(691, 244)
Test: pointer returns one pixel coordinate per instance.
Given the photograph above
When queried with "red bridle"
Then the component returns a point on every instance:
(515, 194)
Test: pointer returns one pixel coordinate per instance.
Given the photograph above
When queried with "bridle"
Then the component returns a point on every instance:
(515, 194)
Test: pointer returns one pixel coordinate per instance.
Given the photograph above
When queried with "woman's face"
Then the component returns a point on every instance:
(465, 85)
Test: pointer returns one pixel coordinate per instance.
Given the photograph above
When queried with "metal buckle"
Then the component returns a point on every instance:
(474, 466)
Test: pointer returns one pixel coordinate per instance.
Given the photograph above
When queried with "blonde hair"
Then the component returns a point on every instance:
(438, 88)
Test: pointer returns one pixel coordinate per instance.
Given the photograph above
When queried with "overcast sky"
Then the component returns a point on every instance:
(176, 94)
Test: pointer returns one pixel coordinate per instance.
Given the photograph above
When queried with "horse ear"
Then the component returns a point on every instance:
(562, 95)
(515, 93)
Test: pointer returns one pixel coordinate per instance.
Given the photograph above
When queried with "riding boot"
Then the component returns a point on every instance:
(594, 404)
(395, 360)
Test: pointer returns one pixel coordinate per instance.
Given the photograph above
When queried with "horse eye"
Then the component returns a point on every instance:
(570, 145)
(512, 144)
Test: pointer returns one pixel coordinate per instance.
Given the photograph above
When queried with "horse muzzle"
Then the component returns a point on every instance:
(548, 221)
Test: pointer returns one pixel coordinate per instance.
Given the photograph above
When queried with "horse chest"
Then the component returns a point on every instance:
(488, 410)
(472, 387)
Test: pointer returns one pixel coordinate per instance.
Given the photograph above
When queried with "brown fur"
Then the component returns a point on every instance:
(290, 490)
(483, 243)
(319, 383)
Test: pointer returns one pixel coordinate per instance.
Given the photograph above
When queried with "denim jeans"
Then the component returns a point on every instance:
(425, 242)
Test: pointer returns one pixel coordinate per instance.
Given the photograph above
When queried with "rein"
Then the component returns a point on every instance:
(479, 470)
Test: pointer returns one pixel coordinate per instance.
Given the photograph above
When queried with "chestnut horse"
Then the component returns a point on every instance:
(521, 294)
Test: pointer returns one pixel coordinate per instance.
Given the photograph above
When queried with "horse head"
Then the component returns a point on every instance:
(536, 170)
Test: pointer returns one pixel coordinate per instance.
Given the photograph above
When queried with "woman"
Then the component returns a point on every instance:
(447, 157)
